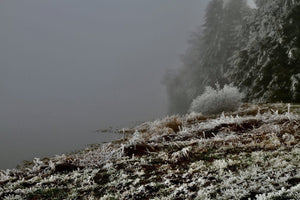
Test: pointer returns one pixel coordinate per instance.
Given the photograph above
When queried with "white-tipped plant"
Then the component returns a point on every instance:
(216, 101)
(182, 154)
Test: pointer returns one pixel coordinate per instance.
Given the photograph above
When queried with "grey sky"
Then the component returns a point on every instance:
(68, 67)
(252, 3)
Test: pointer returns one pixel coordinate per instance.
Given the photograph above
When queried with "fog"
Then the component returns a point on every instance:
(68, 68)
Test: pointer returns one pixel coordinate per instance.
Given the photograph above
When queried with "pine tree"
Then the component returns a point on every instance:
(218, 42)
(212, 57)
(206, 61)
(267, 67)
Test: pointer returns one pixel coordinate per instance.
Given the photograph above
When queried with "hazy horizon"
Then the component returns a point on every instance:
(71, 67)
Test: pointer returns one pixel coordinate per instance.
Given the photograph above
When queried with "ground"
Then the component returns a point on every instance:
(249, 154)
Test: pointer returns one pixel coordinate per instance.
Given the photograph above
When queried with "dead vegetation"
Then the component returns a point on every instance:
(252, 153)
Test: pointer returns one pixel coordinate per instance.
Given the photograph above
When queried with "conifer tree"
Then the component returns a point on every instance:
(268, 66)
(206, 61)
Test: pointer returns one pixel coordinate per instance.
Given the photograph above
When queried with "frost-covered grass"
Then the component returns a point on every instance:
(253, 153)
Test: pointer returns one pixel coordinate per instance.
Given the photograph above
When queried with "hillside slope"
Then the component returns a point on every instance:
(250, 154)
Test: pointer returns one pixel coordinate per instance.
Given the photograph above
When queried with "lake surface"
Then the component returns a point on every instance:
(13, 151)
(31, 129)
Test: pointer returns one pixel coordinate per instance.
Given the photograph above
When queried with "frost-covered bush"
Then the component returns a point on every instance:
(215, 101)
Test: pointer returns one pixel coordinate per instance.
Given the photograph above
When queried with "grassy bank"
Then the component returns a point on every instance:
(250, 154)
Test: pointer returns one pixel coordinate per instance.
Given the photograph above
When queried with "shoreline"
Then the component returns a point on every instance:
(251, 153)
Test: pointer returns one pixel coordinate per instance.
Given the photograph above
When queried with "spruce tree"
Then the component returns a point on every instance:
(206, 61)
(268, 66)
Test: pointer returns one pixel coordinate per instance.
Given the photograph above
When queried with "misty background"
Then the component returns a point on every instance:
(68, 68)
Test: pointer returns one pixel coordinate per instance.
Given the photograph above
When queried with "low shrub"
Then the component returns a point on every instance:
(215, 101)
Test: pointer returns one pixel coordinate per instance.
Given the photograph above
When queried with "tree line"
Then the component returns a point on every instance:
(254, 49)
